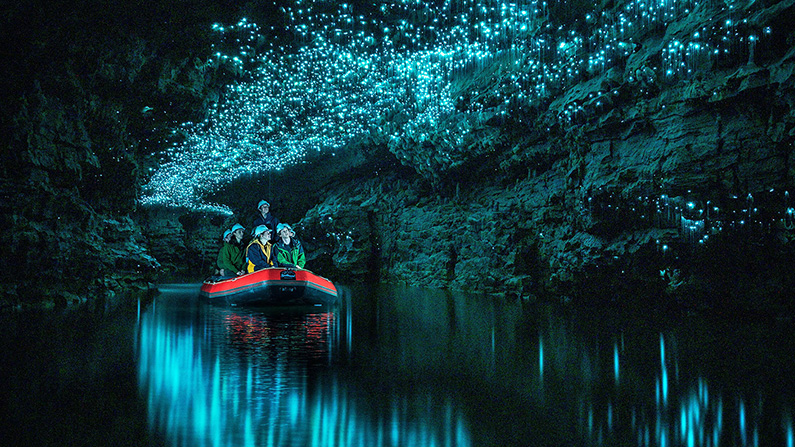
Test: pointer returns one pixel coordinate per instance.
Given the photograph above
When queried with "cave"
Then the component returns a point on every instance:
(535, 151)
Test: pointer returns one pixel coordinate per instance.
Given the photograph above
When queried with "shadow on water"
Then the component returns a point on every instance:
(70, 378)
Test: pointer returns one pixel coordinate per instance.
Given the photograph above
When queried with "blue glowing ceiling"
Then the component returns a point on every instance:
(399, 68)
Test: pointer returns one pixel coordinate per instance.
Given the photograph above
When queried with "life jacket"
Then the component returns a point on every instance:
(266, 251)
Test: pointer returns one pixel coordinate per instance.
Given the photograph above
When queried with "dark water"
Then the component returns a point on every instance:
(396, 367)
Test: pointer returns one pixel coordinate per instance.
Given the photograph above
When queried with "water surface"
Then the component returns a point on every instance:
(402, 366)
(394, 366)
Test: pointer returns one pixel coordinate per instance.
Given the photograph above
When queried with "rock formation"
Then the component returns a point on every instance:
(625, 184)
(665, 174)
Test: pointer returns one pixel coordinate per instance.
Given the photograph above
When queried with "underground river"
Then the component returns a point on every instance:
(394, 366)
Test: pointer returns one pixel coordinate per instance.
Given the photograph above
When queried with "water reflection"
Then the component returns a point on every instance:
(228, 376)
(399, 366)
(702, 394)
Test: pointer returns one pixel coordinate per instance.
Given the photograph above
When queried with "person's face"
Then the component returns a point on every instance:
(238, 234)
(285, 232)
(265, 236)
(264, 209)
(228, 237)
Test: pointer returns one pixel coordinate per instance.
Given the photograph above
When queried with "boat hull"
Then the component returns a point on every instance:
(273, 286)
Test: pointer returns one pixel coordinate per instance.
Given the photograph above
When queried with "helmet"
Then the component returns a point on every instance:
(259, 230)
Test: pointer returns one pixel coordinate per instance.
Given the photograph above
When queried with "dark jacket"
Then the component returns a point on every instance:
(291, 256)
(270, 221)
(258, 256)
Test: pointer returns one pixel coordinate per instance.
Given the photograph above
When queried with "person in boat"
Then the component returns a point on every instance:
(289, 251)
(259, 253)
(231, 259)
(226, 238)
(266, 218)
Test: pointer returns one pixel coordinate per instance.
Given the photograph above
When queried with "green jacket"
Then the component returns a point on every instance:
(231, 258)
(291, 256)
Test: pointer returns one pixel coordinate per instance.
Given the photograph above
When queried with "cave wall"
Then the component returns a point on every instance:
(185, 243)
(626, 179)
(89, 91)
(674, 189)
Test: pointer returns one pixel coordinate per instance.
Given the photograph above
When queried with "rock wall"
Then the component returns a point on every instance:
(86, 102)
(185, 243)
(626, 179)
(677, 190)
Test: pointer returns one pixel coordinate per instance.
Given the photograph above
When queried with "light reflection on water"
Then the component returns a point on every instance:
(700, 398)
(404, 367)
(242, 377)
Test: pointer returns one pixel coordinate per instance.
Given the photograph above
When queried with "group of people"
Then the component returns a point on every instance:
(273, 245)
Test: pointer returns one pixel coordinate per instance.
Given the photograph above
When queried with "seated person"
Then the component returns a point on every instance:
(266, 218)
(230, 258)
(259, 251)
(289, 251)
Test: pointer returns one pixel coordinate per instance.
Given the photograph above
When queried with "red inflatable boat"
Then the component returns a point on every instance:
(273, 286)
